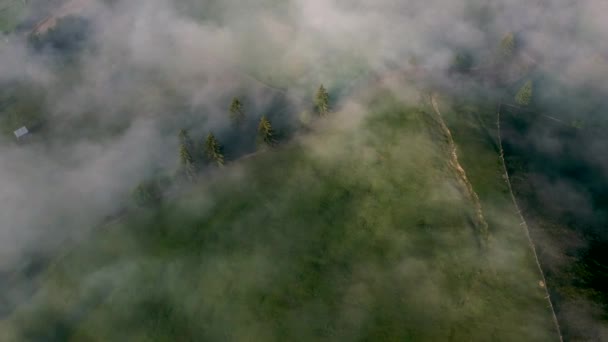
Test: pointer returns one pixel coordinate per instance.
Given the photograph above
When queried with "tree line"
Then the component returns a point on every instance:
(509, 49)
(209, 151)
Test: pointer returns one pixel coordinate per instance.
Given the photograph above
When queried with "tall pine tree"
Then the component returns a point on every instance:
(507, 45)
(187, 162)
(213, 150)
(524, 95)
(265, 132)
(237, 114)
(184, 138)
(322, 101)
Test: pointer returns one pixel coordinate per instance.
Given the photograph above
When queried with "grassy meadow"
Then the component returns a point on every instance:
(358, 230)
(11, 14)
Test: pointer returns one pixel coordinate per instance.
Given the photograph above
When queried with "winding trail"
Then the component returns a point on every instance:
(525, 224)
(482, 224)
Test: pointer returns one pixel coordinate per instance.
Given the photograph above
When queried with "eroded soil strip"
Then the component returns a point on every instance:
(481, 222)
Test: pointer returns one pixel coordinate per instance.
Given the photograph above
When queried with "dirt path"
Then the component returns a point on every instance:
(524, 224)
(69, 7)
(481, 222)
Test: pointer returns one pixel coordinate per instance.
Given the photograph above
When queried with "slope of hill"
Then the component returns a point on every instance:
(360, 230)
(11, 13)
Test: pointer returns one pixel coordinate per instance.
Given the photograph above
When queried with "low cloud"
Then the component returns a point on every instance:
(153, 67)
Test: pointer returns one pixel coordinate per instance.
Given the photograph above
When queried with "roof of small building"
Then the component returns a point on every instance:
(21, 132)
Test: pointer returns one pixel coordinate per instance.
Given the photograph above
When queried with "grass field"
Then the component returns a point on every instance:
(358, 231)
(11, 14)
(473, 125)
(20, 105)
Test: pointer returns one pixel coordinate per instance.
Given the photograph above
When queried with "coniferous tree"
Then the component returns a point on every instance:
(265, 132)
(237, 114)
(322, 101)
(462, 62)
(187, 162)
(147, 193)
(524, 95)
(507, 45)
(184, 138)
(213, 150)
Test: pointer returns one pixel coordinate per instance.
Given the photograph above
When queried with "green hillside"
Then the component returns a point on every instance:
(360, 230)
(11, 13)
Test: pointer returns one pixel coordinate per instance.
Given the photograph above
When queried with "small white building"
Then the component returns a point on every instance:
(21, 132)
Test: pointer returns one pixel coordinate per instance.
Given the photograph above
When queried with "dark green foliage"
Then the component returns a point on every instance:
(462, 62)
(237, 115)
(592, 269)
(50, 325)
(265, 132)
(213, 150)
(69, 36)
(184, 155)
(524, 95)
(322, 101)
(147, 193)
(507, 45)
(184, 138)
(187, 165)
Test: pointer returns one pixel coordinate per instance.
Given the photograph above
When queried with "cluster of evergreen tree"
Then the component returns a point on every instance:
(146, 194)
(190, 154)
(210, 151)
